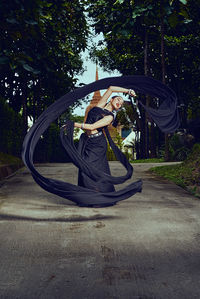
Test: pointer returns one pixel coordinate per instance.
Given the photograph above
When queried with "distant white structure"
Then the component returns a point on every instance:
(129, 142)
(77, 133)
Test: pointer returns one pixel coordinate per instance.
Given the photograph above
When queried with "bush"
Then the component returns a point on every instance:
(186, 174)
(179, 148)
(118, 141)
(11, 128)
(176, 142)
(196, 149)
(50, 148)
(111, 156)
(128, 155)
(181, 154)
(194, 155)
(9, 159)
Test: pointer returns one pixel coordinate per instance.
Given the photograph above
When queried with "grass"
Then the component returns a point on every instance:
(153, 160)
(186, 174)
(172, 173)
(8, 159)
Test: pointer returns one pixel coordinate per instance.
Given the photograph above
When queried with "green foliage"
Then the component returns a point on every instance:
(194, 155)
(6, 159)
(49, 147)
(127, 154)
(40, 48)
(171, 172)
(119, 140)
(178, 150)
(175, 142)
(196, 149)
(181, 154)
(11, 130)
(131, 43)
(76, 118)
(186, 174)
(193, 109)
(110, 154)
(124, 23)
(152, 160)
(40, 44)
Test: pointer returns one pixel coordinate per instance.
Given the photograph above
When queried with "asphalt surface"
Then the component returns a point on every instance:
(144, 247)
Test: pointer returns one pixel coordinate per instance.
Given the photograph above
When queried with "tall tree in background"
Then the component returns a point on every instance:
(40, 46)
(123, 47)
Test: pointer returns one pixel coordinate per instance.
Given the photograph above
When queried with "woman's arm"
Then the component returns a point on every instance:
(108, 93)
(105, 121)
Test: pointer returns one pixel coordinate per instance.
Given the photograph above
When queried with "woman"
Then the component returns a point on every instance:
(166, 116)
(92, 144)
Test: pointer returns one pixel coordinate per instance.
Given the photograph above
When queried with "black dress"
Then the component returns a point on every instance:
(94, 176)
(93, 150)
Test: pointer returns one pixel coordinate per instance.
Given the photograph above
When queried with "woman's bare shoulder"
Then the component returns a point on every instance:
(100, 105)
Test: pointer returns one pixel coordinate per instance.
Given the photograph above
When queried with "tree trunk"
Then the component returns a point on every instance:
(162, 49)
(38, 99)
(24, 113)
(146, 128)
(34, 103)
(163, 71)
(143, 131)
(146, 52)
(152, 141)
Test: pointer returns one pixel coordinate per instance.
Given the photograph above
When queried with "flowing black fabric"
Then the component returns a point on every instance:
(92, 178)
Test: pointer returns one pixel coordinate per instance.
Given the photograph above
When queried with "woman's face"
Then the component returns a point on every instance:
(117, 102)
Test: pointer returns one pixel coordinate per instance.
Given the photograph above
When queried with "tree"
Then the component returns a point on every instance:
(41, 42)
(134, 36)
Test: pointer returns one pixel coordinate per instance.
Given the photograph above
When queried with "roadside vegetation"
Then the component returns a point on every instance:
(152, 160)
(8, 165)
(6, 159)
(186, 174)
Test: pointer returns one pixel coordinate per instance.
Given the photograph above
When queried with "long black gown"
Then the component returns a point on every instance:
(93, 150)
(94, 171)
(96, 184)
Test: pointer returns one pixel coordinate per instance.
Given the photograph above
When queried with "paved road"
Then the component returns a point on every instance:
(144, 247)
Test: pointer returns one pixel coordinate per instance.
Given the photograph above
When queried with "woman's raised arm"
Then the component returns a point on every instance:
(112, 89)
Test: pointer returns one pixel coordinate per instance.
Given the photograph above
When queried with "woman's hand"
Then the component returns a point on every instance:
(132, 93)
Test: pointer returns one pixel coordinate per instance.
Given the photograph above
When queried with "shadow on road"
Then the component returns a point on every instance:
(72, 218)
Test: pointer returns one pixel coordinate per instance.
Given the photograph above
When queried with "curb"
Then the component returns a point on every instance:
(9, 169)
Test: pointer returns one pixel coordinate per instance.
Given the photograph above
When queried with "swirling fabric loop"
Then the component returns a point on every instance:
(166, 117)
